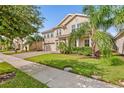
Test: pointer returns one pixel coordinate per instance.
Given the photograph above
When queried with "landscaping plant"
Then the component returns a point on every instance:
(64, 48)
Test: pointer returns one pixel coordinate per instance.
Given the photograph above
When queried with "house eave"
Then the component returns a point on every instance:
(119, 34)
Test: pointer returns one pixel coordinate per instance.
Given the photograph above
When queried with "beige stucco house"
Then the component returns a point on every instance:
(62, 31)
(119, 38)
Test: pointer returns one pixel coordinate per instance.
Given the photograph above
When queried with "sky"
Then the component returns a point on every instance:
(55, 13)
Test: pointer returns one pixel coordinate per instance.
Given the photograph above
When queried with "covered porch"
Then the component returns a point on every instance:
(81, 42)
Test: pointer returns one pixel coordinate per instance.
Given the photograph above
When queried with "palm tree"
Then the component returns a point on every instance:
(34, 39)
(100, 19)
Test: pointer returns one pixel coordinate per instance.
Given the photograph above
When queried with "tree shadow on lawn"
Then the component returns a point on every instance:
(82, 68)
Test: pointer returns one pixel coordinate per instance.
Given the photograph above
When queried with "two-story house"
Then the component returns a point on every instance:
(119, 39)
(62, 31)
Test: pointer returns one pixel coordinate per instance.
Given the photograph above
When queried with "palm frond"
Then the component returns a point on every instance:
(80, 32)
(37, 37)
(33, 38)
(104, 41)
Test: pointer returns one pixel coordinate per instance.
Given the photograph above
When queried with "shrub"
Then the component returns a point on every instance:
(116, 61)
(76, 50)
(82, 50)
(64, 48)
(86, 51)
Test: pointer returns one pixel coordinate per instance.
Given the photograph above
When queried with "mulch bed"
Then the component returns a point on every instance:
(7, 76)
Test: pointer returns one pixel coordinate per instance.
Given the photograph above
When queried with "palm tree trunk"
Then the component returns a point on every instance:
(93, 49)
(93, 43)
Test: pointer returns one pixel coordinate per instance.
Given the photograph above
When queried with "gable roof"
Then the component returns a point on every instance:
(72, 17)
(50, 30)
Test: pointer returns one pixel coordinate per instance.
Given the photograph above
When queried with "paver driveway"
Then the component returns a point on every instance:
(54, 78)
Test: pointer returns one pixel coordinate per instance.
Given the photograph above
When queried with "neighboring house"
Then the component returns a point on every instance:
(20, 45)
(62, 31)
(119, 38)
(17, 43)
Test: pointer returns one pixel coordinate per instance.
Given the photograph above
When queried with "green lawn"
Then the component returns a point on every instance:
(83, 66)
(21, 80)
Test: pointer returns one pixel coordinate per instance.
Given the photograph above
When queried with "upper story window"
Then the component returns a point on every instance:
(47, 35)
(79, 25)
(52, 34)
(86, 42)
(73, 28)
(58, 32)
(44, 36)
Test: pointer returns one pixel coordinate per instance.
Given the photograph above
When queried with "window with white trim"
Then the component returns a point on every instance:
(73, 27)
(79, 25)
(44, 36)
(86, 42)
(57, 32)
(48, 35)
(51, 34)
(60, 32)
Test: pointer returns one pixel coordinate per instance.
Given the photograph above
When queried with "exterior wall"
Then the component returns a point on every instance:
(50, 40)
(120, 44)
(67, 19)
(75, 21)
(50, 43)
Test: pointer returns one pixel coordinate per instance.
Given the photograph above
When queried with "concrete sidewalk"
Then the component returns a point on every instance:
(54, 78)
(31, 54)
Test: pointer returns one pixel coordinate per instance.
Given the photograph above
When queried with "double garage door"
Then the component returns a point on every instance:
(50, 47)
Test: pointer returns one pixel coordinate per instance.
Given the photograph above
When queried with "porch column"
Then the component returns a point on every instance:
(66, 41)
(77, 43)
(90, 42)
